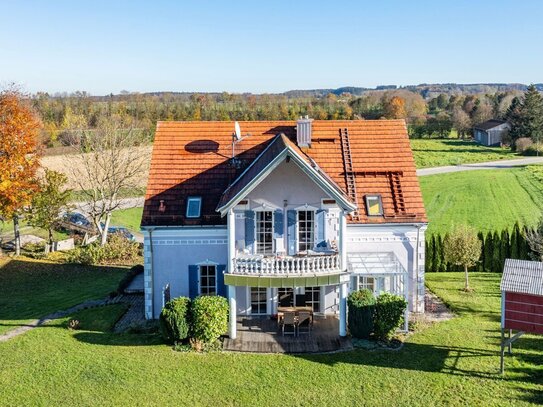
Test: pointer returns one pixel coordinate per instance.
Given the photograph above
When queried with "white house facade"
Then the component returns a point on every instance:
(289, 213)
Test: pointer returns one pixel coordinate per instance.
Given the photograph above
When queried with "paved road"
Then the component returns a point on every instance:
(480, 166)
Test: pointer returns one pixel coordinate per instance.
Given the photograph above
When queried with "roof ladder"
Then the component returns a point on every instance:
(350, 180)
(397, 193)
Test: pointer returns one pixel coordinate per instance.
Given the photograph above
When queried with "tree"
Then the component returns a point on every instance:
(535, 239)
(461, 121)
(395, 108)
(19, 160)
(526, 116)
(49, 203)
(462, 247)
(109, 162)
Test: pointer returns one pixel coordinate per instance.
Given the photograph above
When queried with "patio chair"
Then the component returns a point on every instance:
(305, 322)
(288, 320)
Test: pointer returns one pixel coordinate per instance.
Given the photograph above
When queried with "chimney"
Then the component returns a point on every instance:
(303, 131)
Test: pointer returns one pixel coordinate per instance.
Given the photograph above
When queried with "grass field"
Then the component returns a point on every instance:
(453, 363)
(30, 289)
(436, 153)
(485, 199)
(129, 218)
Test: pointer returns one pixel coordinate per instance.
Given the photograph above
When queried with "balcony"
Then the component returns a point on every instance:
(312, 263)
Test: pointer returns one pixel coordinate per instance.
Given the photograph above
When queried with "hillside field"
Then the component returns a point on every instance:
(486, 199)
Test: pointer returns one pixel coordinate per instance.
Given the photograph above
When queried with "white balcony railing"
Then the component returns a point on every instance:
(259, 265)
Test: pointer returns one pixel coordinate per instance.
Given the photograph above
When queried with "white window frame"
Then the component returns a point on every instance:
(257, 212)
(319, 300)
(380, 199)
(197, 199)
(312, 229)
(207, 265)
(250, 300)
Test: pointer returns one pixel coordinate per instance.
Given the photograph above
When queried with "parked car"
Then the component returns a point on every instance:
(124, 232)
(77, 219)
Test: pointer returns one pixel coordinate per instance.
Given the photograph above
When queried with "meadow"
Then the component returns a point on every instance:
(441, 152)
(485, 199)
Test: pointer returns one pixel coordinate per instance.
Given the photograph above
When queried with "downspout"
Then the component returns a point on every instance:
(417, 268)
(151, 273)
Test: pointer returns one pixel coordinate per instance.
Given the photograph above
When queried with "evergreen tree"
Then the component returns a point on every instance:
(514, 244)
(505, 246)
(524, 249)
(526, 117)
(481, 264)
(496, 254)
(489, 252)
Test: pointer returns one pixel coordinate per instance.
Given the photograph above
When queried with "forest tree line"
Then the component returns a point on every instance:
(433, 116)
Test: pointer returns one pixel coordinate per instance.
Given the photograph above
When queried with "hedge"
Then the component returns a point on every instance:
(209, 318)
(174, 320)
(496, 247)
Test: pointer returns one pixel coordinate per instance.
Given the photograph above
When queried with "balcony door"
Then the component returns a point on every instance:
(264, 232)
(306, 229)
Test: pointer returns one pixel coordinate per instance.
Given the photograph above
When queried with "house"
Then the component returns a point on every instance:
(491, 132)
(283, 212)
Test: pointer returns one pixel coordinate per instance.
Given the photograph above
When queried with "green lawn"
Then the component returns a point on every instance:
(129, 218)
(436, 153)
(453, 363)
(485, 199)
(30, 289)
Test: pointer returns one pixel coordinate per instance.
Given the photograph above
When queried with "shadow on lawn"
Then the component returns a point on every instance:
(116, 339)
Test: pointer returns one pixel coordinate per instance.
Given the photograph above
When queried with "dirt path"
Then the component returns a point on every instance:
(480, 166)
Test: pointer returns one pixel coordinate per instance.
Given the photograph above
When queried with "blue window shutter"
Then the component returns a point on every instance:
(249, 230)
(221, 288)
(291, 228)
(320, 218)
(193, 281)
(278, 223)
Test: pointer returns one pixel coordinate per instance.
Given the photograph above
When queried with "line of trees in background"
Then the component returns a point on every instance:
(427, 114)
(496, 247)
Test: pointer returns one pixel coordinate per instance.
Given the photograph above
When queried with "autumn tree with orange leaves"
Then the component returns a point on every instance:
(19, 161)
(395, 108)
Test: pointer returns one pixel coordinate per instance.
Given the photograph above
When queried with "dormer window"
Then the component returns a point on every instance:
(374, 205)
(194, 206)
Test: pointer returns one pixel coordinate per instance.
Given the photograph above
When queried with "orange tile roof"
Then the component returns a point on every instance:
(193, 159)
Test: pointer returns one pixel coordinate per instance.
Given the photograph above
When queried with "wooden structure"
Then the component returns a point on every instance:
(522, 301)
(491, 132)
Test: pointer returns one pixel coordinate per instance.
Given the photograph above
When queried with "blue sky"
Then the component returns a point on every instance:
(257, 46)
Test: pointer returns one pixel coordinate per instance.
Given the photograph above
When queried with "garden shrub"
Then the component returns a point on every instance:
(117, 250)
(128, 277)
(534, 149)
(361, 312)
(209, 317)
(389, 311)
(174, 320)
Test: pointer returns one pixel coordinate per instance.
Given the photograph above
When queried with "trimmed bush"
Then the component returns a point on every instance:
(174, 323)
(389, 311)
(209, 317)
(522, 144)
(361, 312)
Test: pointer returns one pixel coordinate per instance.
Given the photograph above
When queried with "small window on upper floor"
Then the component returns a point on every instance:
(374, 205)
(194, 206)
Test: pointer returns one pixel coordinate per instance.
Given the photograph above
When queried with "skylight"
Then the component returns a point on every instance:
(194, 205)
(374, 205)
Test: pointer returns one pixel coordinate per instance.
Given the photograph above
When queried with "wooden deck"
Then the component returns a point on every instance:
(262, 335)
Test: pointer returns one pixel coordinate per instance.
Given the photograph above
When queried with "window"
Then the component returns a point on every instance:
(306, 227)
(208, 280)
(194, 205)
(313, 298)
(259, 300)
(374, 205)
(264, 232)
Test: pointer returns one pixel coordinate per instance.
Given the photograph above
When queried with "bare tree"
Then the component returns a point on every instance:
(535, 239)
(109, 162)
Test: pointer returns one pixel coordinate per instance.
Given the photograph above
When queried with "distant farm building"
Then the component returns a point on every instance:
(491, 132)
